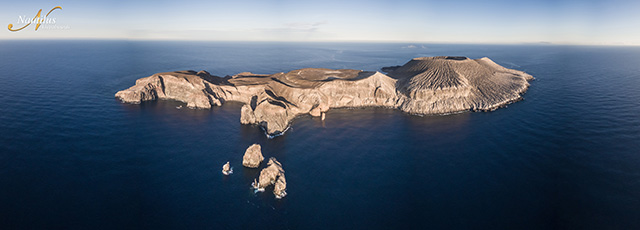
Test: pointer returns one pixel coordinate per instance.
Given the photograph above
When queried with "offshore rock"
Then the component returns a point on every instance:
(270, 174)
(226, 169)
(252, 156)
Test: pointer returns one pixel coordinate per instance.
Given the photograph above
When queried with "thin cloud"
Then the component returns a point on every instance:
(297, 26)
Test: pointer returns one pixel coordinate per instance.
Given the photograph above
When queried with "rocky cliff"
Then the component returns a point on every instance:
(279, 190)
(428, 85)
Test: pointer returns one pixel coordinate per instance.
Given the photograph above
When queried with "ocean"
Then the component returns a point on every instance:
(73, 157)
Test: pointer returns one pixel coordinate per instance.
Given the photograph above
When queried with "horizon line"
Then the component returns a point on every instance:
(541, 43)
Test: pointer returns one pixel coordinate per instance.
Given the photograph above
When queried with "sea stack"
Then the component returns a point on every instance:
(226, 169)
(256, 186)
(270, 174)
(252, 156)
(422, 86)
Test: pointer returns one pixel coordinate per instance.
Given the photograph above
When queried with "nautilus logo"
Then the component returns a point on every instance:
(38, 20)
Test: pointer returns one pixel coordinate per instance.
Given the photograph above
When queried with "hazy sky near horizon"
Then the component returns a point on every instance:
(594, 22)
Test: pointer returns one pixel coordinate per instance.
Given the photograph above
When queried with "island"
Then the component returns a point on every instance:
(422, 86)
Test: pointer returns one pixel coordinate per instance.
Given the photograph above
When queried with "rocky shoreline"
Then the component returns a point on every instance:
(427, 85)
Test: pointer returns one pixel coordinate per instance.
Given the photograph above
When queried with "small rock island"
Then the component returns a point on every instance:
(422, 86)
(226, 169)
(273, 174)
(253, 156)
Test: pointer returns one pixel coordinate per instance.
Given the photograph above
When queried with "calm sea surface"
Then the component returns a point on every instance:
(73, 157)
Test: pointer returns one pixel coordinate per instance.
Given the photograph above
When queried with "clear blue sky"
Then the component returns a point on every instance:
(593, 22)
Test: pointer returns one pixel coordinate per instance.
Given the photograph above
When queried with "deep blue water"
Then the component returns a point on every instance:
(73, 157)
